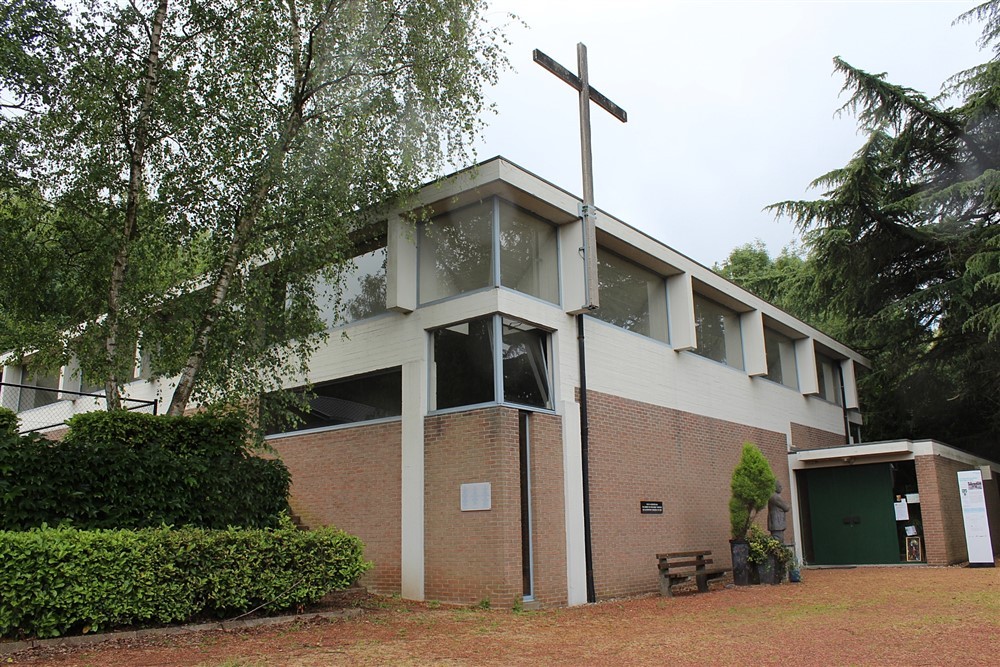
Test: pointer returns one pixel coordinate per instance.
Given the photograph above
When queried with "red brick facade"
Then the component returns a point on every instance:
(642, 452)
(473, 556)
(807, 437)
(941, 509)
(351, 478)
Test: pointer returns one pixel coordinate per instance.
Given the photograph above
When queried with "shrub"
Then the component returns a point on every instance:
(763, 546)
(58, 580)
(130, 470)
(752, 486)
(8, 423)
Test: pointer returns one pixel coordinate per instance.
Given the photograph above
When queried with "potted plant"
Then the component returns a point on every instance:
(751, 486)
(794, 570)
(768, 555)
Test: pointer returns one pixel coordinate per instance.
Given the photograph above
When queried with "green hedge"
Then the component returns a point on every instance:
(59, 580)
(130, 470)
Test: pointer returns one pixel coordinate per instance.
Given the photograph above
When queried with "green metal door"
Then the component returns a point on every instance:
(853, 521)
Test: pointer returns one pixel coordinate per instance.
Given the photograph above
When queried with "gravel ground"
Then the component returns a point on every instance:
(913, 615)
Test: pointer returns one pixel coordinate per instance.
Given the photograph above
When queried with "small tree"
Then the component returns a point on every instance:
(752, 486)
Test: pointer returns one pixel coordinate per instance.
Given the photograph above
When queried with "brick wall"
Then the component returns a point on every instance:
(807, 437)
(351, 478)
(941, 509)
(641, 452)
(472, 556)
(548, 509)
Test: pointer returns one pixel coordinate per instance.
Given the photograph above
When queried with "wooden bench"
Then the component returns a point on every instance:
(682, 565)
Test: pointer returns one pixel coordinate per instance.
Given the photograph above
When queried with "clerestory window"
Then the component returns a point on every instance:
(632, 297)
(718, 332)
(828, 372)
(780, 351)
(358, 290)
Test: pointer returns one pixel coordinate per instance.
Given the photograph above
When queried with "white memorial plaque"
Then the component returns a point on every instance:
(476, 497)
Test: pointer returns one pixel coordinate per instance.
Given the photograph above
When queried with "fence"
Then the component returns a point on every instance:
(45, 408)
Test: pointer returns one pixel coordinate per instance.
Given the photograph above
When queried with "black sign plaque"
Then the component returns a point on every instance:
(651, 507)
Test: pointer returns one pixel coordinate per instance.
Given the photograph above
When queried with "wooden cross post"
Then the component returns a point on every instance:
(588, 217)
(588, 214)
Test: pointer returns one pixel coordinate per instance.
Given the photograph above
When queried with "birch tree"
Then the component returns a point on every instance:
(208, 139)
(905, 243)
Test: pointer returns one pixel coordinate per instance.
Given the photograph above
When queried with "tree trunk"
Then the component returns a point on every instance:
(137, 152)
(245, 225)
(245, 222)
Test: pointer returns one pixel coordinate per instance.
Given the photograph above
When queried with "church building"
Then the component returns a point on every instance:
(489, 437)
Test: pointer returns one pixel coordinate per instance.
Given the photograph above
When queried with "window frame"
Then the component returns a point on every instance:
(391, 370)
(499, 394)
(699, 349)
(770, 333)
(662, 281)
(838, 385)
(495, 273)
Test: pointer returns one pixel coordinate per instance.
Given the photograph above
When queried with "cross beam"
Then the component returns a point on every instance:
(572, 79)
(588, 213)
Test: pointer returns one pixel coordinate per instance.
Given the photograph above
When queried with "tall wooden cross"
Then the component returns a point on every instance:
(588, 213)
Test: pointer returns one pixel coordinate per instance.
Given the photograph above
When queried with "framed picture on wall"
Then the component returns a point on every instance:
(914, 550)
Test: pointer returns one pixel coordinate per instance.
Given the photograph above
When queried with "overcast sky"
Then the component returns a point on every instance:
(731, 105)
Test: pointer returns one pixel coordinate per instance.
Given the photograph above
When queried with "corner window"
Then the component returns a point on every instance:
(463, 364)
(350, 400)
(470, 358)
(828, 372)
(780, 350)
(525, 364)
(455, 252)
(632, 297)
(718, 333)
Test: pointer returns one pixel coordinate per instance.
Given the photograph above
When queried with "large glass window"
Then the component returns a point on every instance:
(455, 252)
(471, 356)
(780, 350)
(47, 384)
(346, 401)
(632, 297)
(463, 364)
(718, 332)
(528, 254)
(357, 293)
(828, 372)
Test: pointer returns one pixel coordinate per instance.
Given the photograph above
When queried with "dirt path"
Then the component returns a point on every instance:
(865, 616)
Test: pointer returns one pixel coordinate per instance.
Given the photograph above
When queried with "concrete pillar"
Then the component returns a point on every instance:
(412, 483)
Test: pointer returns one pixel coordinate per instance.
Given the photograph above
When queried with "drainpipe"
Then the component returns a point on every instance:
(843, 405)
(588, 547)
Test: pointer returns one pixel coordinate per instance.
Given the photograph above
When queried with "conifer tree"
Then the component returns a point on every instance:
(905, 245)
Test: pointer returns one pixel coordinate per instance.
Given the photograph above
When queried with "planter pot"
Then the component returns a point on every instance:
(768, 571)
(741, 569)
(794, 575)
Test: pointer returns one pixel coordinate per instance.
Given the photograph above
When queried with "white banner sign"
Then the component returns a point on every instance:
(977, 525)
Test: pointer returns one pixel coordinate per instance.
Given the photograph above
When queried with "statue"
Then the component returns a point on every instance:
(776, 509)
